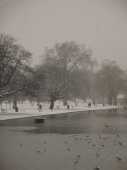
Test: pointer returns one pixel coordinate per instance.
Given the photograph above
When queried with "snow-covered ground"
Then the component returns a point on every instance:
(103, 150)
(28, 110)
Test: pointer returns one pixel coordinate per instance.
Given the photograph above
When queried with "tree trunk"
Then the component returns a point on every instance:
(38, 102)
(22, 103)
(103, 99)
(110, 100)
(75, 103)
(6, 104)
(65, 103)
(15, 105)
(10, 104)
(1, 105)
(52, 105)
(115, 100)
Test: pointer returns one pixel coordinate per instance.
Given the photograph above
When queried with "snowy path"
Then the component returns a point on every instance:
(32, 112)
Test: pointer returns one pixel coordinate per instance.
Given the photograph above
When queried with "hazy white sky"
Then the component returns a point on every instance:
(99, 24)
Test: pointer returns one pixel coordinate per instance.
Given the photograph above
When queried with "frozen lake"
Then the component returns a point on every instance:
(74, 141)
(95, 122)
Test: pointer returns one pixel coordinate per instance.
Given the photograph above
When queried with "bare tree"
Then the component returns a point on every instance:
(35, 86)
(68, 57)
(14, 66)
(110, 80)
(50, 82)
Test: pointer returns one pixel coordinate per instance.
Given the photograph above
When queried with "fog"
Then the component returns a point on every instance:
(99, 24)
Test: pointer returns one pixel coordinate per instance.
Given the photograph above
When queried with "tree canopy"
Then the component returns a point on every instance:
(65, 67)
(110, 80)
(66, 72)
(14, 65)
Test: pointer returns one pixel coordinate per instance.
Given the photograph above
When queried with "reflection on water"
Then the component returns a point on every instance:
(97, 122)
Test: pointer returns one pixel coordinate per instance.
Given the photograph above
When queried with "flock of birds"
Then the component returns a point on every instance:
(88, 140)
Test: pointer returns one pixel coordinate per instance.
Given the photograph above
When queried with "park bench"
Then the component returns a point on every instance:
(39, 120)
